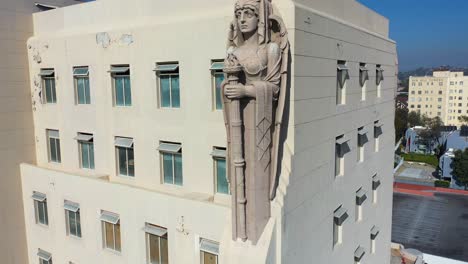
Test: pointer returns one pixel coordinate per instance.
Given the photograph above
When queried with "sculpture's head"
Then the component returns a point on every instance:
(247, 15)
(251, 16)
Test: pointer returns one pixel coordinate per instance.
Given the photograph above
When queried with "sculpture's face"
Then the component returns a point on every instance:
(247, 16)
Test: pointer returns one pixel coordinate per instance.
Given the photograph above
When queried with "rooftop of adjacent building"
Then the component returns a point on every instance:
(436, 224)
(442, 74)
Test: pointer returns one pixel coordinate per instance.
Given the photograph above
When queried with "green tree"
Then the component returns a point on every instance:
(463, 119)
(460, 167)
(430, 136)
(414, 119)
(401, 123)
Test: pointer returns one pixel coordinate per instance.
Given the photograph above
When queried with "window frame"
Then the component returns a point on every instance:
(363, 78)
(342, 78)
(172, 154)
(208, 247)
(114, 237)
(216, 70)
(68, 211)
(170, 73)
(81, 143)
(127, 149)
(124, 75)
(217, 156)
(87, 89)
(160, 250)
(41, 204)
(48, 74)
(57, 145)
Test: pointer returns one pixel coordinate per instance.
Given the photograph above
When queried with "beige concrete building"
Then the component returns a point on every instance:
(17, 130)
(444, 95)
(130, 139)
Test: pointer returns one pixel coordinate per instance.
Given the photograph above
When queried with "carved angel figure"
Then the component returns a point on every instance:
(258, 43)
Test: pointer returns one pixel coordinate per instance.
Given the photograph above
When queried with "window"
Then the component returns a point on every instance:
(125, 157)
(374, 233)
(111, 231)
(460, 91)
(413, 99)
(81, 81)
(377, 133)
(439, 113)
(53, 142)
(122, 86)
(452, 83)
(209, 252)
(86, 150)
(362, 140)
(44, 257)
(171, 157)
(411, 106)
(49, 95)
(459, 111)
(450, 97)
(412, 92)
(439, 107)
(40, 208)
(217, 79)
(419, 92)
(339, 216)
(342, 76)
(156, 244)
(363, 77)
(378, 79)
(341, 148)
(461, 83)
(221, 183)
(420, 84)
(460, 98)
(72, 218)
(441, 83)
(439, 99)
(460, 104)
(440, 92)
(361, 197)
(359, 254)
(169, 90)
(375, 186)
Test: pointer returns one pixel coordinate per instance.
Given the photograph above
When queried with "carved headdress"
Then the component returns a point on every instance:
(263, 10)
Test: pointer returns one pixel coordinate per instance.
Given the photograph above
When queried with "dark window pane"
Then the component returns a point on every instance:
(52, 149)
(175, 91)
(178, 169)
(119, 91)
(128, 91)
(209, 258)
(57, 144)
(91, 156)
(131, 162)
(109, 235)
(165, 91)
(154, 249)
(219, 78)
(122, 160)
(222, 183)
(164, 251)
(84, 155)
(167, 168)
(118, 245)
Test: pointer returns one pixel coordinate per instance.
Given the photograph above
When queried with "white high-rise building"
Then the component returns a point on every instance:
(444, 95)
(131, 143)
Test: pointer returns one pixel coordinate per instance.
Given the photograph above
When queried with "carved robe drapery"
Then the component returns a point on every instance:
(264, 67)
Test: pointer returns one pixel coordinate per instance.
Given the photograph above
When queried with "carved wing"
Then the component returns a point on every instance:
(279, 34)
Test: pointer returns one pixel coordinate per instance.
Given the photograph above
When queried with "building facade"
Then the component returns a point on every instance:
(443, 95)
(17, 131)
(131, 143)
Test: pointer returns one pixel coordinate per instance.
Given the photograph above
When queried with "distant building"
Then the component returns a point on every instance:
(445, 94)
(456, 140)
(415, 144)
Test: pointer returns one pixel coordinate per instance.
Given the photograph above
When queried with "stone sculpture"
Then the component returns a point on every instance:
(256, 71)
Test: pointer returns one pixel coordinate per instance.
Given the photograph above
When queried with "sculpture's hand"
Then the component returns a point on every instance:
(238, 91)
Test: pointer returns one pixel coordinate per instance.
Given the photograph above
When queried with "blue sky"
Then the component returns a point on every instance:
(427, 32)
